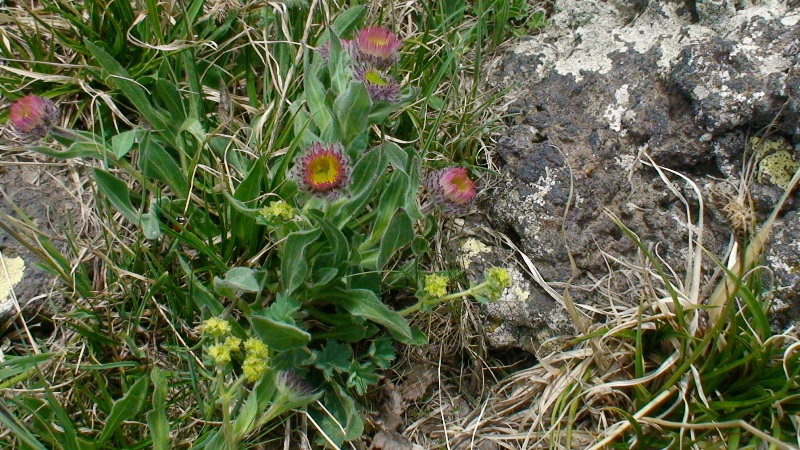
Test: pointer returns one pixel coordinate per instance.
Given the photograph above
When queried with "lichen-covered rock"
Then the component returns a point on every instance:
(523, 317)
(42, 199)
(783, 260)
(609, 85)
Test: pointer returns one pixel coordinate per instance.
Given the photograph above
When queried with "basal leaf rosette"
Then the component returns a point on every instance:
(452, 189)
(32, 117)
(323, 171)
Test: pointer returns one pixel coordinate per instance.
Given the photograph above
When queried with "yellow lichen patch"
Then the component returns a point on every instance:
(777, 160)
(470, 249)
(520, 293)
(11, 272)
(779, 166)
(764, 148)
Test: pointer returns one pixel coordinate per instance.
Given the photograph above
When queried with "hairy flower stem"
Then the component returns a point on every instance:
(429, 300)
(225, 397)
(66, 133)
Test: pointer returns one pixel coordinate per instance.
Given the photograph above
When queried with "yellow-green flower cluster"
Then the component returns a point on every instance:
(215, 327)
(277, 211)
(497, 279)
(221, 353)
(256, 358)
(436, 285)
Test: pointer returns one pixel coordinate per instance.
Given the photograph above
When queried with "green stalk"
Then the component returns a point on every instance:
(431, 301)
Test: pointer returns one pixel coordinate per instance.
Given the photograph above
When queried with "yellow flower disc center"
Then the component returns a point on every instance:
(324, 169)
(461, 183)
(379, 41)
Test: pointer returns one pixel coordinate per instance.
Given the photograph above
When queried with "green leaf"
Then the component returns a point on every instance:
(391, 199)
(398, 234)
(243, 226)
(338, 242)
(346, 424)
(151, 227)
(122, 143)
(294, 267)
(169, 96)
(15, 365)
(342, 327)
(283, 309)
(364, 303)
(126, 408)
(76, 150)
(201, 296)
(279, 336)
(324, 274)
(23, 435)
(334, 357)
(365, 176)
(157, 417)
(237, 279)
(420, 246)
(119, 78)
(117, 193)
(315, 97)
(382, 352)
(303, 125)
(195, 130)
(351, 109)
(362, 376)
(338, 66)
(348, 20)
(157, 163)
(396, 156)
(250, 188)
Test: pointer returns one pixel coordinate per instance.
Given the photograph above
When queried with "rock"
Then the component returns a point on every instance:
(42, 199)
(523, 317)
(608, 85)
(783, 258)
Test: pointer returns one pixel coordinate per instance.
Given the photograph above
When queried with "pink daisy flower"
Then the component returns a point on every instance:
(451, 188)
(322, 170)
(374, 46)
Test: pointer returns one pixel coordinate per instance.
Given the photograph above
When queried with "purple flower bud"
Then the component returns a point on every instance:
(380, 86)
(32, 117)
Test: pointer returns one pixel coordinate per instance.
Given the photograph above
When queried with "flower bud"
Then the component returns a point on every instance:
(32, 117)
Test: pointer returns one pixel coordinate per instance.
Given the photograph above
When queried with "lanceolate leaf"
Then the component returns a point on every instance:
(125, 408)
(117, 193)
(119, 78)
(398, 234)
(364, 303)
(348, 20)
(351, 110)
(294, 267)
(155, 162)
(279, 336)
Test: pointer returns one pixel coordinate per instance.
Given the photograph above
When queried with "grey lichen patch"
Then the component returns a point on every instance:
(615, 112)
(529, 208)
(517, 321)
(660, 27)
